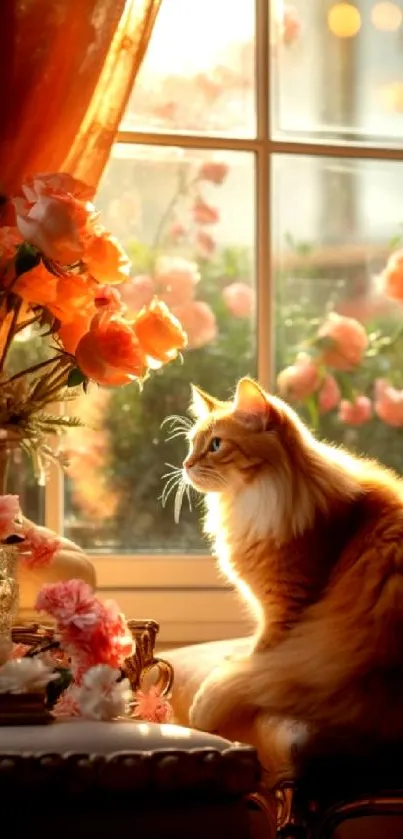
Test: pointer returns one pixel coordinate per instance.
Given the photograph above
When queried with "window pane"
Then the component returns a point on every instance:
(338, 70)
(336, 223)
(198, 73)
(180, 213)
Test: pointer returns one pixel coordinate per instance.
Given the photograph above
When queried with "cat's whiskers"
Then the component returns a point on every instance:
(175, 480)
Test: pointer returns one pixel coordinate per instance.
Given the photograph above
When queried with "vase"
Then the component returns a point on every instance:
(17, 477)
(144, 668)
(8, 598)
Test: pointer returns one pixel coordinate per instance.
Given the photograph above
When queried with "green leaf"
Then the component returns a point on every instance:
(26, 258)
(347, 389)
(76, 378)
(325, 343)
(313, 411)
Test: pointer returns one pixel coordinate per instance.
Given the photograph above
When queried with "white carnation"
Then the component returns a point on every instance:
(101, 696)
(25, 675)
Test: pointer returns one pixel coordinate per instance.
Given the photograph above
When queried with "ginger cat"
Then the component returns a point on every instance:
(312, 537)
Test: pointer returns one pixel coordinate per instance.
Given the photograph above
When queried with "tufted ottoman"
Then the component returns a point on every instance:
(334, 786)
(77, 779)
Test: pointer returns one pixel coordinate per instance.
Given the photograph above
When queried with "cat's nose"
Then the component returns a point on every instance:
(189, 462)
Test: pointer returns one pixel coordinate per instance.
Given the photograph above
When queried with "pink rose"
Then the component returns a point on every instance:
(300, 380)
(357, 412)
(177, 279)
(9, 513)
(177, 231)
(392, 276)
(213, 171)
(70, 603)
(239, 299)
(329, 394)
(198, 321)
(205, 244)
(348, 341)
(137, 292)
(203, 213)
(291, 26)
(389, 403)
(53, 216)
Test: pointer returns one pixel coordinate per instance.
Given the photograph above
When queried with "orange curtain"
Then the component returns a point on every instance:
(66, 71)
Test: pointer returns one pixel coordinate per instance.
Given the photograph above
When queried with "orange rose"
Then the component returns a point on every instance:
(105, 259)
(74, 296)
(393, 276)
(37, 286)
(160, 334)
(10, 238)
(109, 353)
(53, 216)
(71, 333)
(348, 340)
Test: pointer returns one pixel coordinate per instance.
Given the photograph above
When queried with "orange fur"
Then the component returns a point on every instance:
(313, 539)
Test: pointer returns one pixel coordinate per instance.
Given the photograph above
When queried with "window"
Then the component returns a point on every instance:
(256, 181)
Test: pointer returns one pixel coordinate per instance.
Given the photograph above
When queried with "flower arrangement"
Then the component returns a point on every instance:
(83, 667)
(82, 670)
(350, 369)
(59, 268)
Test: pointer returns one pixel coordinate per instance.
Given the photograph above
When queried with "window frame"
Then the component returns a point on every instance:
(157, 579)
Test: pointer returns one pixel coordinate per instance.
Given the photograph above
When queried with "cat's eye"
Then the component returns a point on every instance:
(215, 444)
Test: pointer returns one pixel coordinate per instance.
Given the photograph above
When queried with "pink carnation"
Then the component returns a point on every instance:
(107, 641)
(9, 512)
(151, 706)
(38, 550)
(66, 705)
(70, 603)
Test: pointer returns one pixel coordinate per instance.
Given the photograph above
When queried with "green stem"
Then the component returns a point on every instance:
(32, 369)
(180, 193)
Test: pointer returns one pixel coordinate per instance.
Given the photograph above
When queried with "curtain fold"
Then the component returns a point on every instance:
(67, 68)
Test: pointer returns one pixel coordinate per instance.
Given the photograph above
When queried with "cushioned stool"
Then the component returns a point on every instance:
(80, 779)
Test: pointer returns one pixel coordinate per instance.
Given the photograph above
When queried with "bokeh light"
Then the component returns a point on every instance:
(344, 20)
(386, 16)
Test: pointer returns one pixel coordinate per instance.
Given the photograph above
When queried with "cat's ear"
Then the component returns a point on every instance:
(250, 403)
(202, 403)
